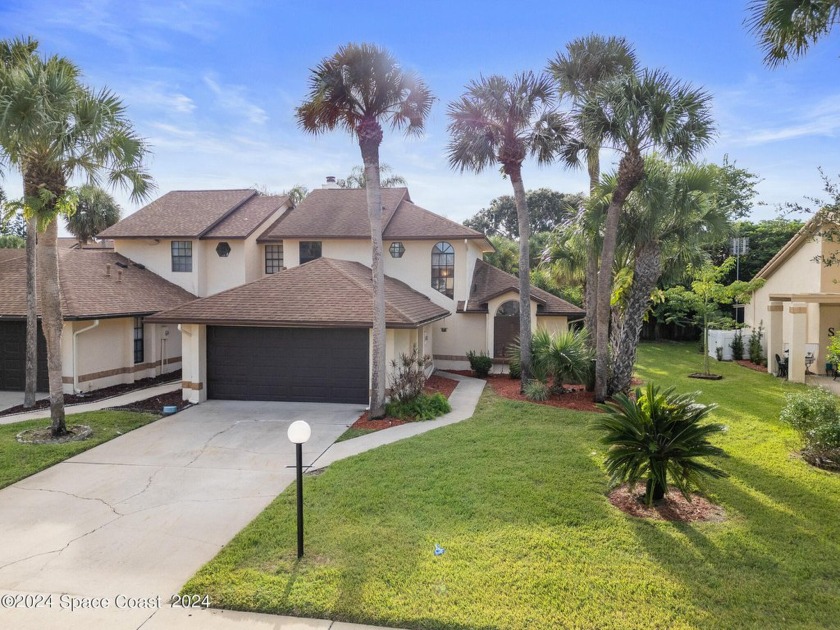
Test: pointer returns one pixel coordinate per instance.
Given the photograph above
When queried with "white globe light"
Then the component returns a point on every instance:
(299, 431)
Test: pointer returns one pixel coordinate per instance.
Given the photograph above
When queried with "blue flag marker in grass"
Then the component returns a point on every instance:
(439, 550)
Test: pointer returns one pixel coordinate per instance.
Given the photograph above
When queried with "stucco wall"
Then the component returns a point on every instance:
(223, 273)
(104, 354)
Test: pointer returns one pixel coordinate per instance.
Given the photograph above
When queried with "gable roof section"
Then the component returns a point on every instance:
(180, 214)
(321, 293)
(342, 213)
(248, 217)
(490, 282)
(87, 292)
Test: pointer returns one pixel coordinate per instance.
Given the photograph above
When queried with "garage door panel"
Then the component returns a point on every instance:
(293, 364)
(13, 357)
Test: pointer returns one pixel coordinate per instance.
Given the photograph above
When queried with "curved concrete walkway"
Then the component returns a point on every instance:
(137, 516)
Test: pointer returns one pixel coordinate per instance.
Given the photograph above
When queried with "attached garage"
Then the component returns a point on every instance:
(13, 357)
(288, 364)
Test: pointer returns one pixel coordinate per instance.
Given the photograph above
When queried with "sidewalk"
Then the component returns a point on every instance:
(114, 401)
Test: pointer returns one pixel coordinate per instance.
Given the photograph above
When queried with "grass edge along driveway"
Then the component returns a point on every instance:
(18, 461)
(516, 497)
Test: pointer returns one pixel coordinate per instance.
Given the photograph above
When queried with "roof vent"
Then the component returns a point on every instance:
(331, 183)
(139, 266)
(108, 270)
(119, 275)
(121, 265)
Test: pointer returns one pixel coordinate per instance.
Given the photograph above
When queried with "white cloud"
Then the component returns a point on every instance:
(232, 98)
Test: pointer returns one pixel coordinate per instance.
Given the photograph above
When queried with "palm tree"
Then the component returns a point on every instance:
(95, 211)
(358, 88)
(635, 114)
(786, 28)
(52, 128)
(587, 63)
(387, 179)
(501, 121)
(14, 52)
(670, 216)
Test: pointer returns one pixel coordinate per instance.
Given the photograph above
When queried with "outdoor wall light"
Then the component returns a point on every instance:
(299, 432)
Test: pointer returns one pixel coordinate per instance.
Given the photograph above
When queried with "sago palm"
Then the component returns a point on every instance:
(658, 438)
(54, 128)
(500, 121)
(358, 89)
(635, 115)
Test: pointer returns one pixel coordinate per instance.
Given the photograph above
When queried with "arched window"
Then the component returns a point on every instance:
(443, 269)
(508, 309)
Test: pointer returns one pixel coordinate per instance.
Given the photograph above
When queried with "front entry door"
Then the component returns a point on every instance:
(505, 328)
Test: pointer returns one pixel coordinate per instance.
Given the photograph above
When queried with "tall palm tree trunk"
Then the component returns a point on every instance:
(646, 271)
(590, 291)
(31, 316)
(519, 197)
(370, 137)
(630, 173)
(52, 320)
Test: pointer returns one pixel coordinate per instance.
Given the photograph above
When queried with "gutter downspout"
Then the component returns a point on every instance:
(76, 333)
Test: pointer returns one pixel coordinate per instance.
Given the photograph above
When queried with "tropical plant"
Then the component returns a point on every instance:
(635, 115)
(537, 390)
(53, 128)
(502, 121)
(787, 28)
(670, 217)
(480, 363)
(657, 438)
(357, 89)
(562, 356)
(15, 52)
(422, 407)
(387, 179)
(95, 211)
(588, 63)
(408, 375)
(12, 241)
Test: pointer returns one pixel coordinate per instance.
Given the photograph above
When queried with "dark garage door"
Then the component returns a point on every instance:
(13, 357)
(292, 364)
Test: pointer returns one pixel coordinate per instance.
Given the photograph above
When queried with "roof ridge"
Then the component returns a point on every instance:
(396, 209)
(225, 215)
(363, 287)
(447, 219)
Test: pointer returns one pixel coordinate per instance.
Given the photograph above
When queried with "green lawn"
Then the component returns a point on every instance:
(21, 460)
(516, 496)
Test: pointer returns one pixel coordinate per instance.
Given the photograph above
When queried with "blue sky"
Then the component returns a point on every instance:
(213, 85)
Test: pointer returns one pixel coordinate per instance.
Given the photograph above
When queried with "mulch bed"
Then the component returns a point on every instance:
(576, 397)
(75, 433)
(674, 507)
(753, 366)
(434, 384)
(99, 394)
(155, 404)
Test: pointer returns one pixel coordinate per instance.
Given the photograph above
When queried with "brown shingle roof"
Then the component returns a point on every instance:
(490, 282)
(247, 218)
(86, 292)
(322, 293)
(342, 213)
(180, 214)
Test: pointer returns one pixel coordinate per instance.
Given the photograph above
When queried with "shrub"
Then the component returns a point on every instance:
(480, 363)
(754, 348)
(563, 356)
(537, 390)
(719, 353)
(408, 376)
(657, 438)
(423, 407)
(514, 369)
(737, 346)
(815, 414)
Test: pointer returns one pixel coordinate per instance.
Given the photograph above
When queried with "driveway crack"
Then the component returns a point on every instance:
(76, 496)
(207, 443)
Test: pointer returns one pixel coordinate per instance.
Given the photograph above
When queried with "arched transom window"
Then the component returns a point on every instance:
(443, 269)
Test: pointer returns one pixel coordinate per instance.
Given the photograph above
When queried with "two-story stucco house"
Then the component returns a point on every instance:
(799, 304)
(284, 296)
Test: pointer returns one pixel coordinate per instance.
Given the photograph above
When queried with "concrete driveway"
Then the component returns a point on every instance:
(137, 516)
(13, 399)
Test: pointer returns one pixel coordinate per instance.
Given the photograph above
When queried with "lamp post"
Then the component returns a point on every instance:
(299, 432)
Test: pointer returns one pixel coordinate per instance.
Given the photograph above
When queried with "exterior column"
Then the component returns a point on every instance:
(775, 341)
(799, 332)
(194, 362)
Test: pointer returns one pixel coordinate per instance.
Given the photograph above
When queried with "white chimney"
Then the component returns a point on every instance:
(330, 182)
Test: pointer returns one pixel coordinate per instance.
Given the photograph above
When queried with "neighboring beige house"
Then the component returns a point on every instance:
(106, 340)
(284, 294)
(799, 304)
